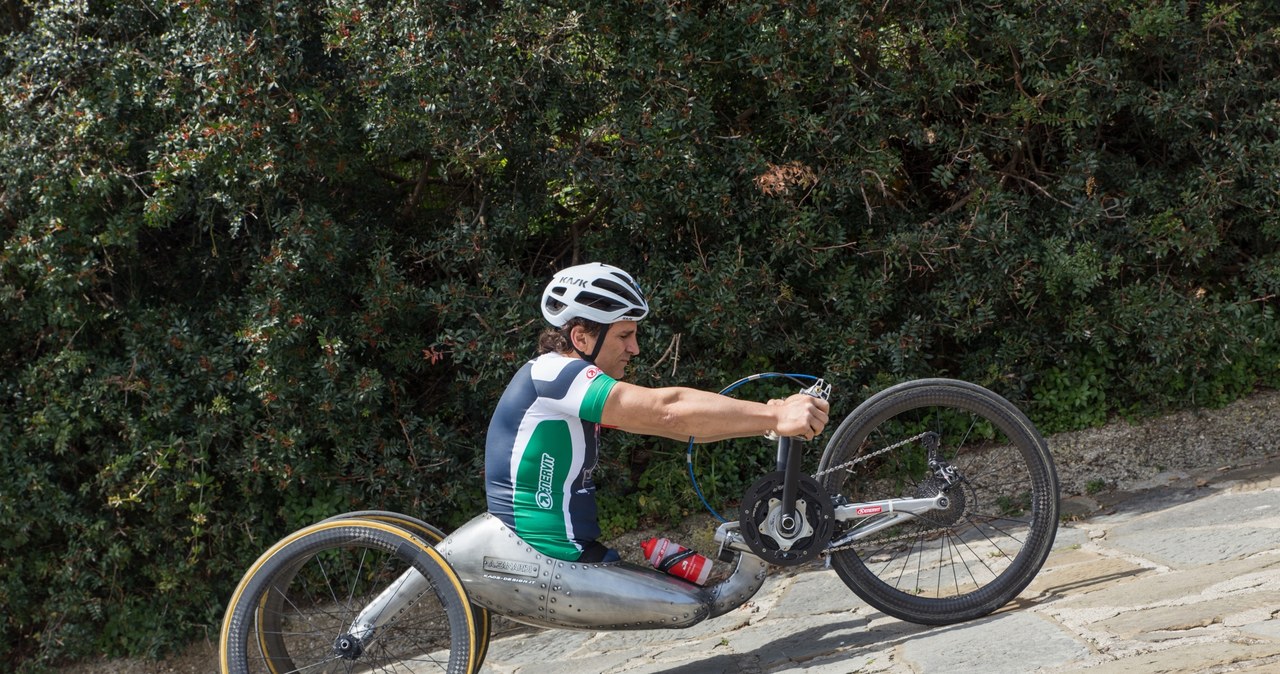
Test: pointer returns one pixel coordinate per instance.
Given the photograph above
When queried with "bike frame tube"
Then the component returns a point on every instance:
(891, 512)
(406, 589)
(907, 506)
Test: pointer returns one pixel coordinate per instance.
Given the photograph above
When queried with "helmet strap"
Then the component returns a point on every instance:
(604, 328)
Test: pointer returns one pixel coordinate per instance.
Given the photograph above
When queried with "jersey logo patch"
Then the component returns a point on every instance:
(593, 372)
(546, 471)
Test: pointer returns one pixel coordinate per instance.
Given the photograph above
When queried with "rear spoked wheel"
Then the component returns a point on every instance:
(974, 555)
(433, 535)
(296, 608)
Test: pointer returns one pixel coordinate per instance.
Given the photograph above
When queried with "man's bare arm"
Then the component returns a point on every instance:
(679, 413)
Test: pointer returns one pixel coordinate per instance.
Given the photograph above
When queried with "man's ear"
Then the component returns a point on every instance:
(578, 337)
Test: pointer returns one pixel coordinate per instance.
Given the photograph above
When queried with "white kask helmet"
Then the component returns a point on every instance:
(594, 291)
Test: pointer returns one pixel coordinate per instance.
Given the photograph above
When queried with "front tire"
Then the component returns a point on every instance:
(295, 605)
(974, 556)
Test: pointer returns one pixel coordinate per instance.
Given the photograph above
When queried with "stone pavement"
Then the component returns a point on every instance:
(1181, 577)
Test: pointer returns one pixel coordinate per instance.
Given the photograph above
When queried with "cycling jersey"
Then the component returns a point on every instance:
(541, 450)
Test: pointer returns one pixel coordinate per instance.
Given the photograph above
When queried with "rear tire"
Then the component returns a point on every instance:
(433, 535)
(973, 557)
(298, 600)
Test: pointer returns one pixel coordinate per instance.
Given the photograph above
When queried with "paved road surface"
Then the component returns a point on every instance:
(1184, 577)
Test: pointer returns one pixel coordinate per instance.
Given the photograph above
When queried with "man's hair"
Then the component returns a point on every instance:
(557, 339)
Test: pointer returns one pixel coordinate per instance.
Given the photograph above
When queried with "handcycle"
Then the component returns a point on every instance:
(935, 501)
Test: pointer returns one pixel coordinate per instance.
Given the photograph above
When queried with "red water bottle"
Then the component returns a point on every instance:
(676, 560)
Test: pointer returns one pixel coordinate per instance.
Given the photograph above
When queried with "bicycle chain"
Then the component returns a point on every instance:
(900, 537)
(872, 455)
(856, 461)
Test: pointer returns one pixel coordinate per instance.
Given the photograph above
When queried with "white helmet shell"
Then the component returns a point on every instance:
(594, 291)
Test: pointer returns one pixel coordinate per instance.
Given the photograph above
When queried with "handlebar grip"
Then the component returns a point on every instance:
(820, 388)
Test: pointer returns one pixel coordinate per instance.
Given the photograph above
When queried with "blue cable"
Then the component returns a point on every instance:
(688, 453)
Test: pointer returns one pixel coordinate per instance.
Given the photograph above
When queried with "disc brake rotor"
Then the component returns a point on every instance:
(783, 538)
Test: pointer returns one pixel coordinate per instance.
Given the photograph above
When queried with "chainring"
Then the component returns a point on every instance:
(761, 522)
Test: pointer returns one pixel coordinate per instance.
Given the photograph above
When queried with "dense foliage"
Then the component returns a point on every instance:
(268, 261)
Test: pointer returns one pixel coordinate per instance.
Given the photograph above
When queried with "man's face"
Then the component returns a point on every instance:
(620, 344)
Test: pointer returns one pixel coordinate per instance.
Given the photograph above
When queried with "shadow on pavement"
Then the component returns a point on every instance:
(796, 649)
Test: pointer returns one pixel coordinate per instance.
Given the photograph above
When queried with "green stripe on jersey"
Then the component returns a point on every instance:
(539, 507)
(593, 402)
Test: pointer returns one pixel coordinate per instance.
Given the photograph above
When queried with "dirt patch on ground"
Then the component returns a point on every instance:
(1124, 456)
(1096, 467)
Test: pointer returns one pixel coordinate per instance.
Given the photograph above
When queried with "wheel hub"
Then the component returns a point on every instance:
(347, 647)
(952, 504)
(786, 529)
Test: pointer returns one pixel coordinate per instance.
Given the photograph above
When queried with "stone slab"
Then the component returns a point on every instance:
(1081, 572)
(1011, 642)
(1203, 656)
(815, 593)
(1203, 534)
